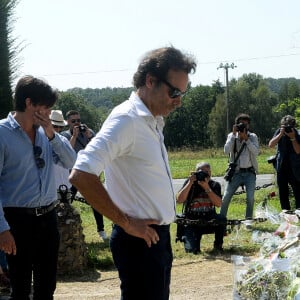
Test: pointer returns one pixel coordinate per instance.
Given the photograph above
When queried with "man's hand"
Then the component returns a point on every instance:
(141, 228)
(204, 183)
(7, 243)
(88, 132)
(43, 119)
(291, 135)
(243, 135)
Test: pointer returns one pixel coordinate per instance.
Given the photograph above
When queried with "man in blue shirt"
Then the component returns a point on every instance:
(29, 147)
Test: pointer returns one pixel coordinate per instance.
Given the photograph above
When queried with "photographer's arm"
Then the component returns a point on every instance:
(182, 195)
(214, 198)
(252, 144)
(228, 147)
(274, 141)
(74, 136)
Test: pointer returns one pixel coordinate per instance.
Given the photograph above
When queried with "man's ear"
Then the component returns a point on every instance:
(150, 81)
(28, 102)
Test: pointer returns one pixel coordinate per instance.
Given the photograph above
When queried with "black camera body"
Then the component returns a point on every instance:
(82, 128)
(272, 160)
(240, 127)
(201, 175)
(288, 128)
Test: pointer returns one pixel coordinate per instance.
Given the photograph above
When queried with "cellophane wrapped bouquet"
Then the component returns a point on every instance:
(275, 273)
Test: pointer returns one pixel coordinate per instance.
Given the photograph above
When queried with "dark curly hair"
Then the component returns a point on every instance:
(158, 62)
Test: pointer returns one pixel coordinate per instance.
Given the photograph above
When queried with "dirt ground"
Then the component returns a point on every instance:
(201, 278)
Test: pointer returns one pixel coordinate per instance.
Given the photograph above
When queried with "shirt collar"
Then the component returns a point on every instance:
(143, 111)
(12, 121)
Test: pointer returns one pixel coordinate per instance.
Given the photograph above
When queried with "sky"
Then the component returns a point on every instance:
(97, 44)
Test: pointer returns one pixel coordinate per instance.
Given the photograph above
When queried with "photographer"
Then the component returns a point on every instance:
(79, 136)
(201, 195)
(246, 165)
(287, 163)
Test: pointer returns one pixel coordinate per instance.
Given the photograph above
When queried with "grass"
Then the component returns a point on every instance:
(183, 162)
(239, 241)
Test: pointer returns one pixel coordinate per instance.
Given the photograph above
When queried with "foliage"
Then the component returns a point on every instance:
(106, 97)
(200, 123)
(8, 55)
(88, 113)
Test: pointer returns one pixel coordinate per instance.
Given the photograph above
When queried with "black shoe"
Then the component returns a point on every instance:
(218, 248)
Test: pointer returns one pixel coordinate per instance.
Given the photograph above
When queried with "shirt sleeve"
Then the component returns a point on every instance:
(228, 147)
(113, 140)
(252, 144)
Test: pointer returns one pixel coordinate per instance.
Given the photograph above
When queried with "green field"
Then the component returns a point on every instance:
(181, 163)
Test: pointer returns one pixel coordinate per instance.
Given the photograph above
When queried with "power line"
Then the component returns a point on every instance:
(200, 63)
(251, 58)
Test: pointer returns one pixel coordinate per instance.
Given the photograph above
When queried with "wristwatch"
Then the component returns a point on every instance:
(208, 191)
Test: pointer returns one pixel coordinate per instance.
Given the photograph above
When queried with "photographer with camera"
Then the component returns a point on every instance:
(244, 143)
(287, 163)
(79, 136)
(201, 195)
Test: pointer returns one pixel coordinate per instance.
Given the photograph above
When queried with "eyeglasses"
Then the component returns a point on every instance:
(37, 151)
(75, 121)
(60, 127)
(173, 91)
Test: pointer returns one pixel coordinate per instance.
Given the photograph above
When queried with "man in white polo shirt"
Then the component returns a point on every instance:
(140, 197)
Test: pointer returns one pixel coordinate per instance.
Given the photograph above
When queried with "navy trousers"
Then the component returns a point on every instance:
(144, 272)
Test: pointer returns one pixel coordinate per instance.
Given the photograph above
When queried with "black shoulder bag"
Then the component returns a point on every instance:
(232, 166)
(183, 215)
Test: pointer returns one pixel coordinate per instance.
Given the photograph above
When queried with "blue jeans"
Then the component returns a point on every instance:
(248, 179)
(145, 273)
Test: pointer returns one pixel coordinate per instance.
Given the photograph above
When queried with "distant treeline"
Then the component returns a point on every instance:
(202, 119)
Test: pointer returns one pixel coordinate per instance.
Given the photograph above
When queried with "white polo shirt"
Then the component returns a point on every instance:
(129, 148)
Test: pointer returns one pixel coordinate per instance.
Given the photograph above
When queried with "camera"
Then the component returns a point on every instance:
(201, 175)
(82, 128)
(288, 128)
(272, 160)
(240, 127)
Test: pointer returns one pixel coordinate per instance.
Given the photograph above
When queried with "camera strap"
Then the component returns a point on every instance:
(240, 151)
(187, 203)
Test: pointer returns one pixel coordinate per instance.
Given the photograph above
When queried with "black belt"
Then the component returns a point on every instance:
(160, 227)
(251, 169)
(32, 211)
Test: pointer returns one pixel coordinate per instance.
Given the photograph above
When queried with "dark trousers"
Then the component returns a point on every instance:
(144, 272)
(99, 220)
(193, 233)
(37, 241)
(98, 217)
(285, 177)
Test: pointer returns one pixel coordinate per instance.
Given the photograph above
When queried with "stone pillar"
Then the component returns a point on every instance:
(72, 256)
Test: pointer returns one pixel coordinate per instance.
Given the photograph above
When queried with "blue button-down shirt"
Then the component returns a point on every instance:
(22, 183)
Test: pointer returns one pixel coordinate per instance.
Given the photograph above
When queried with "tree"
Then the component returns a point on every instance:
(188, 125)
(8, 55)
(88, 113)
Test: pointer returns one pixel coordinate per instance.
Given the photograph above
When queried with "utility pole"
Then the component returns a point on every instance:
(226, 67)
